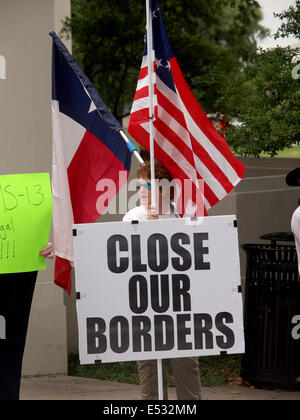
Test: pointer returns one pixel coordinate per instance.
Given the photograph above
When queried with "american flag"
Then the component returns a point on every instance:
(185, 140)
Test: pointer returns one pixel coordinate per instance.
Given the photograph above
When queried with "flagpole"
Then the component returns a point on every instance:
(151, 94)
(131, 146)
(151, 140)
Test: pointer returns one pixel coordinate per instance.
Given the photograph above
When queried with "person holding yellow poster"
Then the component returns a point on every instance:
(25, 222)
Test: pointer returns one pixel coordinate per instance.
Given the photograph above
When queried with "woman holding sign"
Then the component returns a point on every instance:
(16, 292)
(186, 370)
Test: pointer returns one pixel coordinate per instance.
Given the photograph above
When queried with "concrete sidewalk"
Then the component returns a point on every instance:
(75, 388)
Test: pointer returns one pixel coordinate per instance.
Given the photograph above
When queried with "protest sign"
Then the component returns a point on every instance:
(25, 221)
(158, 289)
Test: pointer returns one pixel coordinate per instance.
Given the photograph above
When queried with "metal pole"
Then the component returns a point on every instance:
(151, 139)
(151, 94)
(139, 158)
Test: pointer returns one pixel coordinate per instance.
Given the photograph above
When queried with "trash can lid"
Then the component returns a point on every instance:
(293, 178)
(279, 236)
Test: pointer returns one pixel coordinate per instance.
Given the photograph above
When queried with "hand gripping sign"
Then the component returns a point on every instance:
(158, 289)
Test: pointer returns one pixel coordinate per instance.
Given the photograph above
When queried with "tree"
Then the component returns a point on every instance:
(265, 99)
(207, 37)
(291, 21)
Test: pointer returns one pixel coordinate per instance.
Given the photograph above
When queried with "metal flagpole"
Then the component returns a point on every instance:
(151, 94)
(152, 165)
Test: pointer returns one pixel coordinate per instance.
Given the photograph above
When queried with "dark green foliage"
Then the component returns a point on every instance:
(290, 21)
(207, 37)
(214, 371)
(265, 98)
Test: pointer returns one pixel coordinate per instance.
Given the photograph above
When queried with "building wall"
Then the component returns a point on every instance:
(26, 147)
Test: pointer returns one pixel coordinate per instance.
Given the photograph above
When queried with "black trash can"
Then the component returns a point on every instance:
(272, 303)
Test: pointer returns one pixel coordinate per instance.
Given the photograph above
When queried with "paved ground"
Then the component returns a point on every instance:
(74, 388)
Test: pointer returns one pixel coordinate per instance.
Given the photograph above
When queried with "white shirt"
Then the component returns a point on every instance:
(140, 213)
(295, 225)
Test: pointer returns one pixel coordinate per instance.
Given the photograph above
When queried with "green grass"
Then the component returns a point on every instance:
(292, 152)
(214, 371)
(220, 370)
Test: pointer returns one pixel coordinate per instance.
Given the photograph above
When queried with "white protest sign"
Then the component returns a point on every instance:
(158, 289)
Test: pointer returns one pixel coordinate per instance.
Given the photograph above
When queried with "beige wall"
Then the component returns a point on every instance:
(255, 167)
(25, 141)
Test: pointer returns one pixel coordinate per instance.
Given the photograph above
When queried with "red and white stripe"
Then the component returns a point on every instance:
(186, 142)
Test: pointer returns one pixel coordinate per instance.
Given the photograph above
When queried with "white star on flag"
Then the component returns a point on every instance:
(92, 107)
(158, 63)
(154, 14)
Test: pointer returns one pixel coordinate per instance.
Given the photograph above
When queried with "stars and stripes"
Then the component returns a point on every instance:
(185, 140)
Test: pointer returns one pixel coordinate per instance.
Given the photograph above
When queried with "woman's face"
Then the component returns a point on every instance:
(144, 191)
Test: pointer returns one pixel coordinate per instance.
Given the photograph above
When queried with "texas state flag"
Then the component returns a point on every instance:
(87, 148)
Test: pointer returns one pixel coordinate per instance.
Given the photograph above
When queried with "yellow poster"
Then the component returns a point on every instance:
(25, 221)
